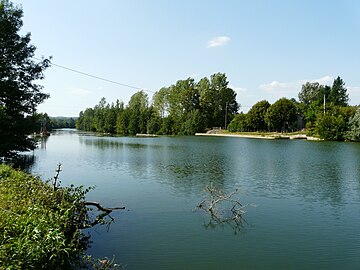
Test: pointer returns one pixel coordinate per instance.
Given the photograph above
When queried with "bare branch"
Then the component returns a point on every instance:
(103, 209)
(223, 208)
(56, 177)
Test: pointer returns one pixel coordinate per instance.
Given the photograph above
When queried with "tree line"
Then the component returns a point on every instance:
(183, 108)
(322, 110)
(44, 122)
(188, 107)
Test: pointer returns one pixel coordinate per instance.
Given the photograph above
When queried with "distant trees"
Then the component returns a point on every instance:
(262, 116)
(338, 93)
(240, 123)
(256, 116)
(187, 107)
(19, 92)
(354, 127)
(184, 108)
(281, 114)
(326, 110)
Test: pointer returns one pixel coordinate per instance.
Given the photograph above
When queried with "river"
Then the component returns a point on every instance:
(303, 212)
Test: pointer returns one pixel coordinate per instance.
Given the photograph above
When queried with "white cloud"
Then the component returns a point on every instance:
(218, 41)
(354, 89)
(79, 91)
(238, 89)
(354, 94)
(326, 80)
(291, 89)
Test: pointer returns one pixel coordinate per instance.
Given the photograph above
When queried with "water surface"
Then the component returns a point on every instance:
(307, 197)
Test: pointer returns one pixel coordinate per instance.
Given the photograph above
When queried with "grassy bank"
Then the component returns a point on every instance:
(39, 223)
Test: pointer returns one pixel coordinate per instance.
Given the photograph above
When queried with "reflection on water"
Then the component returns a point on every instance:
(307, 196)
(24, 161)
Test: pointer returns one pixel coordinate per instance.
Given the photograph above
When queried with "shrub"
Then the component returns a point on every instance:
(40, 223)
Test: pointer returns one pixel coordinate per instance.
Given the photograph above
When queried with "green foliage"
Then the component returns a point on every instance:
(184, 108)
(334, 124)
(354, 123)
(62, 122)
(138, 108)
(42, 122)
(256, 116)
(192, 124)
(338, 94)
(40, 225)
(331, 127)
(19, 95)
(313, 92)
(281, 114)
(315, 99)
(240, 123)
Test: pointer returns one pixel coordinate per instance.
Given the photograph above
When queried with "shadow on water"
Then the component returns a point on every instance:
(279, 169)
(181, 162)
(23, 161)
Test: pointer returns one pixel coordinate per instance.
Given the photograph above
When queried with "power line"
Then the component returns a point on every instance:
(95, 77)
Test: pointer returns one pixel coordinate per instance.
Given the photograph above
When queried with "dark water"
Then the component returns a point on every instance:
(307, 197)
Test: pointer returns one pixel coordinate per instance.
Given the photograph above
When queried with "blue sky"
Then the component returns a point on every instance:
(267, 49)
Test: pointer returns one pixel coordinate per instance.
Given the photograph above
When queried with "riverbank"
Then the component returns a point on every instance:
(40, 227)
(266, 136)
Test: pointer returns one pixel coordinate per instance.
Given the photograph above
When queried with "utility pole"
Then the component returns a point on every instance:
(226, 104)
(324, 104)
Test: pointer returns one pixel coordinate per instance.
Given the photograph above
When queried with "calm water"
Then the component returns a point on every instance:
(307, 197)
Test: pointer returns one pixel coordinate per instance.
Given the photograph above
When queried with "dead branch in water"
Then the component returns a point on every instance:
(100, 218)
(103, 209)
(56, 177)
(106, 211)
(223, 208)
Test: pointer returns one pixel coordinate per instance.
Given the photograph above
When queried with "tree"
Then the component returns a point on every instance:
(42, 122)
(223, 100)
(311, 99)
(354, 133)
(138, 113)
(192, 123)
(19, 94)
(256, 116)
(281, 114)
(161, 102)
(334, 124)
(331, 127)
(311, 92)
(338, 94)
(240, 123)
(206, 101)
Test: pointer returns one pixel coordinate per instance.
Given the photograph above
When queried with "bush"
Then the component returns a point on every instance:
(40, 223)
(354, 133)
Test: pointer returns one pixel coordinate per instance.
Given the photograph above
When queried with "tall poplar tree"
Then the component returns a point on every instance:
(338, 94)
(19, 94)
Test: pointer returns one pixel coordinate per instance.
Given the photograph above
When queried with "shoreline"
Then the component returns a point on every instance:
(264, 137)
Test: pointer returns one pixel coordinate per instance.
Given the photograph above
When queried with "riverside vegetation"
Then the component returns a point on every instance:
(188, 107)
(41, 223)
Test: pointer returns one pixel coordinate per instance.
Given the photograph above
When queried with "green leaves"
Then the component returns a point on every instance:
(354, 133)
(256, 116)
(19, 95)
(281, 114)
(39, 226)
(186, 107)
